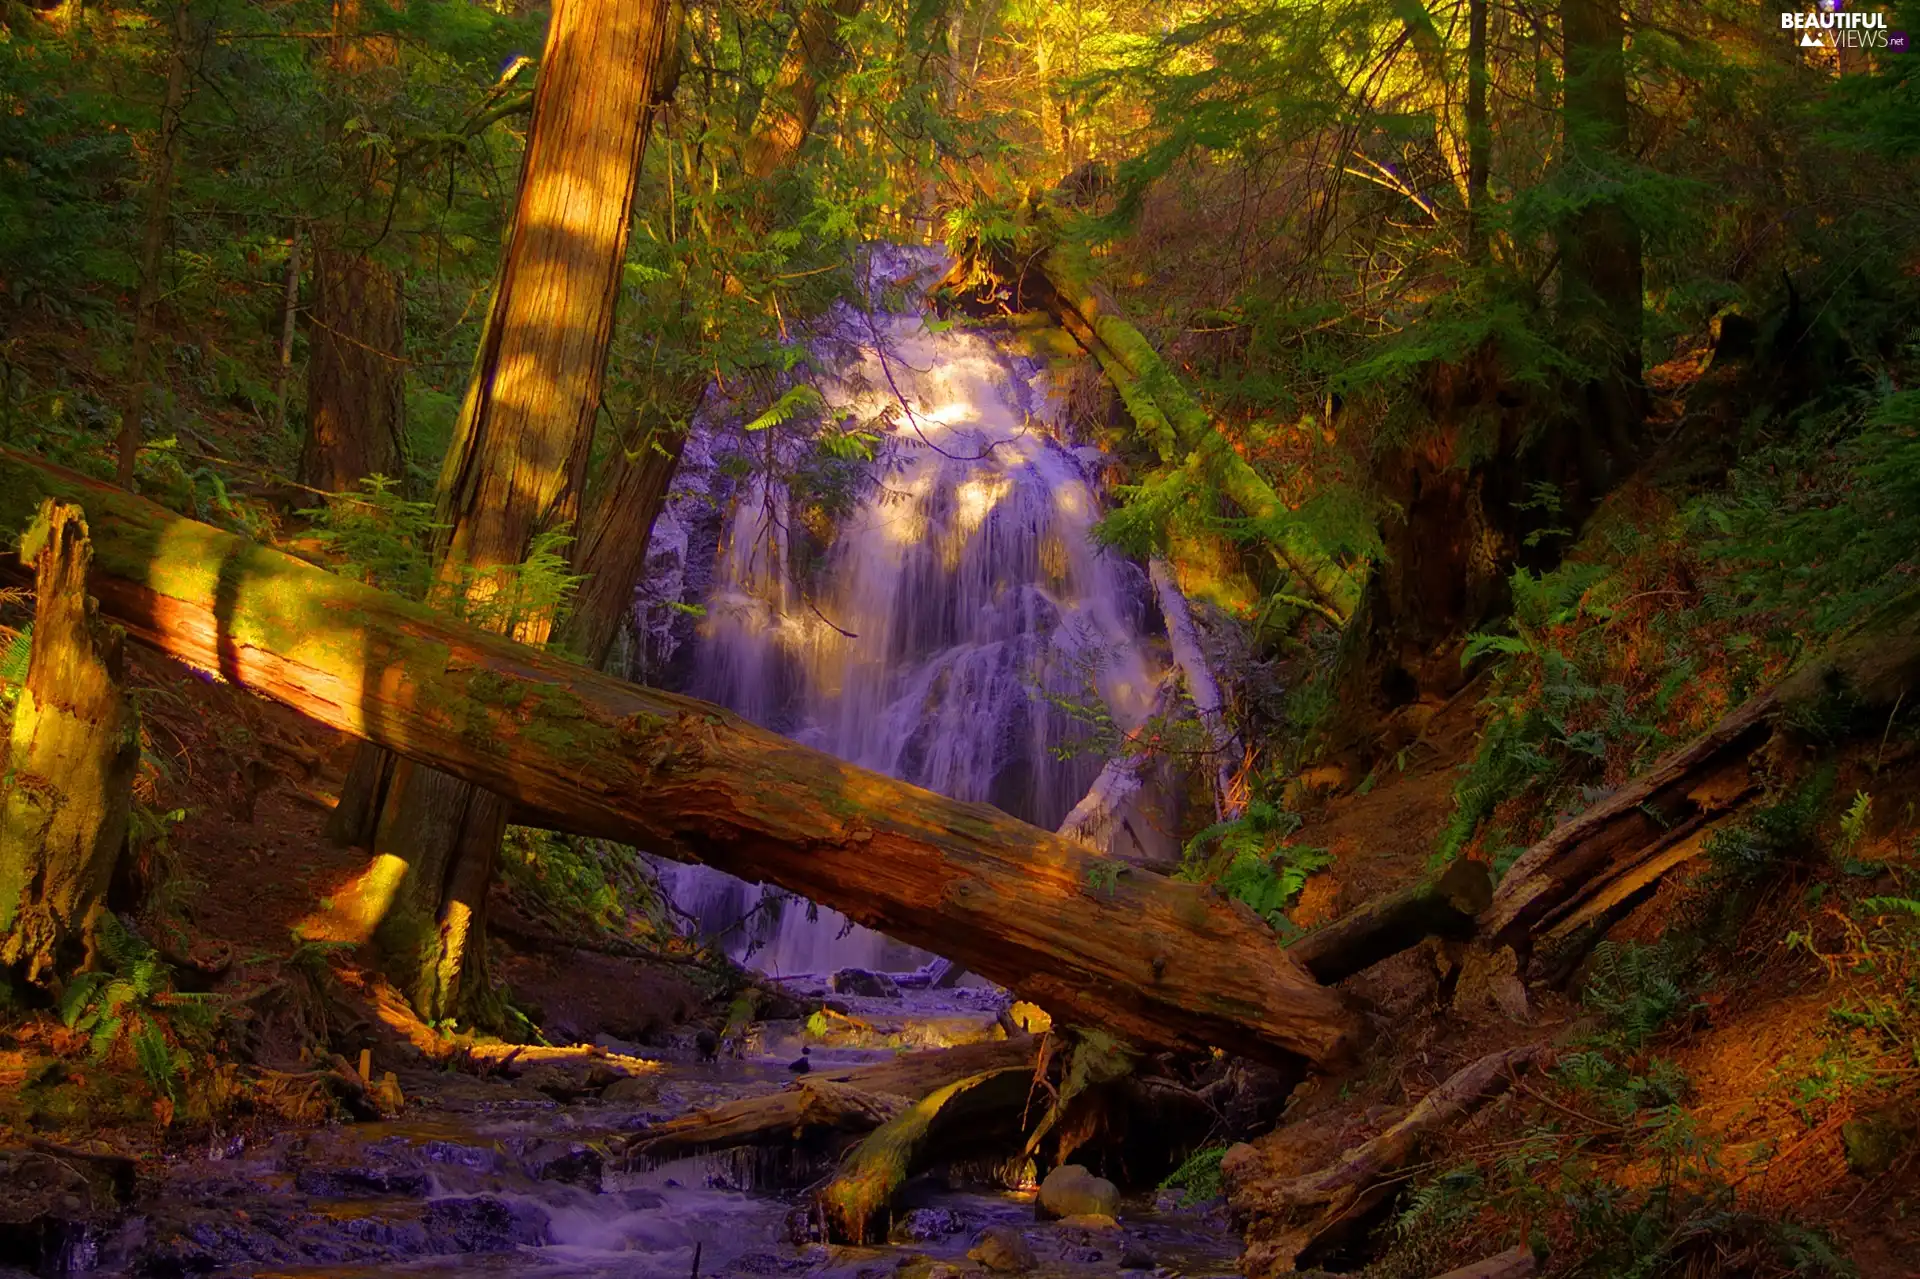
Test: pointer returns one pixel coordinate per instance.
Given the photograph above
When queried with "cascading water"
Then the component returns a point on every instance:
(960, 613)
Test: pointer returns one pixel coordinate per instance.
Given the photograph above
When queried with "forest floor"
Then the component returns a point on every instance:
(1745, 1095)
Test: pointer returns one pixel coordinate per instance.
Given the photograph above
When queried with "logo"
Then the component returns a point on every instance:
(1833, 27)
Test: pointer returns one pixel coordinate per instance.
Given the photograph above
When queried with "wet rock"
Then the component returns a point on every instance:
(485, 1224)
(1135, 1255)
(859, 981)
(361, 1183)
(923, 1224)
(1004, 1250)
(632, 1090)
(58, 1205)
(571, 1080)
(1072, 1191)
(1082, 1254)
(1088, 1222)
(569, 1163)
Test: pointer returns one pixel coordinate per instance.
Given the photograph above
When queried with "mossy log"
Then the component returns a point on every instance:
(1565, 890)
(974, 1116)
(1178, 427)
(1158, 962)
(67, 789)
(1441, 907)
(853, 1099)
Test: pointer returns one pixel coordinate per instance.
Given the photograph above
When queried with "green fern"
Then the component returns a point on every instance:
(132, 999)
(15, 658)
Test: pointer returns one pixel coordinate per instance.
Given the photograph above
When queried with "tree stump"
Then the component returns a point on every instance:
(68, 783)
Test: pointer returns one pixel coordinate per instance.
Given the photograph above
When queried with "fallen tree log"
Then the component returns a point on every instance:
(853, 1099)
(973, 1116)
(1566, 889)
(1295, 1221)
(1376, 930)
(1154, 961)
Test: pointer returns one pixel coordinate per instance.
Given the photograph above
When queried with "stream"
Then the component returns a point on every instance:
(521, 1177)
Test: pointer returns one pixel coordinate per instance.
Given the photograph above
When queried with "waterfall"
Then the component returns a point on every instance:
(949, 629)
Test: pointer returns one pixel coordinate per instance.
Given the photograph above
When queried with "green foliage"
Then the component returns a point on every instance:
(1821, 526)
(16, 656)
(132, 1001)
(1778, 834)
(1642, 989)
(379, 537)
(574, 885)
(1198, 1176)
(1249, 860)
(387, 540)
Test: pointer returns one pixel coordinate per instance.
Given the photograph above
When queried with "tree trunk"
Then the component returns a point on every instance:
(1479, 133)
(611, 551)
(1566, 890)
(1095, 822)
(1144, 957)
(517, 461)
(1600, 264)
(792, 101)
(356, 370)
(356, 363)
(68, 783)
(153, 240)
(289, 315)
(1204, 691)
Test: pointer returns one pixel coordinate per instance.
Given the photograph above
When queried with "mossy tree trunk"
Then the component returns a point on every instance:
(75, 745)
(516, 466)
(1093, 942)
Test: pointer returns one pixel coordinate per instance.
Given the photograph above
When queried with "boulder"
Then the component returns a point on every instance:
(859, 981)
(1003, 1250)
(1072, 1191)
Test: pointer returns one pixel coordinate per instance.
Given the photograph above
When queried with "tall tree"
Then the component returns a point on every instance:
(356, 367)
(1600, 264)
(516, 464)
(611, 551)
(153, 238)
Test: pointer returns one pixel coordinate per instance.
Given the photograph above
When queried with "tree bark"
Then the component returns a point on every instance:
(1177, 426)
(516, 466)
(153, 241)
(792, 101)
(356, 369)
(289, 315)
(67, 789)
(1149, 959)
(1479, 132)
(1095, 822)
(356, 363)
(969, 1118)
(611, 551)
